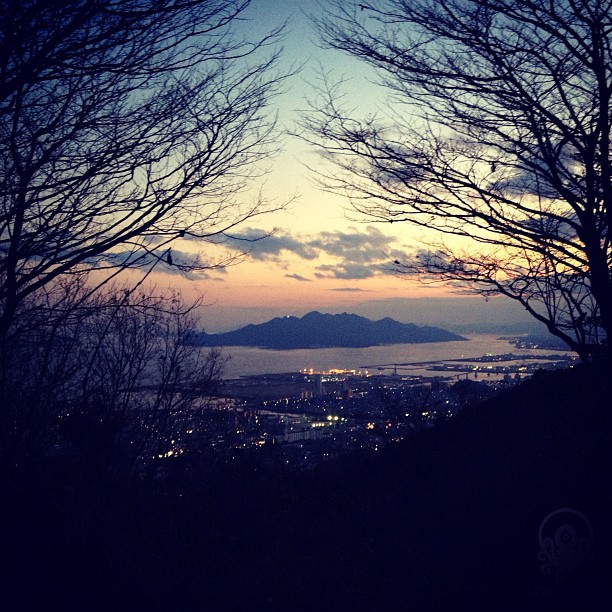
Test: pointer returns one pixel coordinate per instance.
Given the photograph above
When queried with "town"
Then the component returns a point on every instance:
(304, 418)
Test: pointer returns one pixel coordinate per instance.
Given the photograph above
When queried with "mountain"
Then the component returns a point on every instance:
(316, 330)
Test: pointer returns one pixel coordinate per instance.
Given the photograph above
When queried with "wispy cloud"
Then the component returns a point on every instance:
(298, 277)
(349, 290)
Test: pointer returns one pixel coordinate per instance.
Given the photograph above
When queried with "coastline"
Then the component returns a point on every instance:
(248, 361)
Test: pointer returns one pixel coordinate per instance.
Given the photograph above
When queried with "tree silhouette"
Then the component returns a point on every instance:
(497, 137)
(114, 379)
(125, 125)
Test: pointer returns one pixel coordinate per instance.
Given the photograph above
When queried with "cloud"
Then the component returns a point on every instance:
(346, 271)
(262, 247)
(168, 261)
(354, 253)
(298, 277)
(349, 290)
(355, 246)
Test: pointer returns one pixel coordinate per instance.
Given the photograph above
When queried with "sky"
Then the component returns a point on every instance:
(319, 256)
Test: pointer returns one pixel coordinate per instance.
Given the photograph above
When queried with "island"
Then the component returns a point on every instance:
(317, 330)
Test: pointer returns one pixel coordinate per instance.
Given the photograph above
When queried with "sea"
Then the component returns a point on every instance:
(405, 359)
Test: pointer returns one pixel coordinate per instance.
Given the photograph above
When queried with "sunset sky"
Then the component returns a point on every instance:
(319, 255)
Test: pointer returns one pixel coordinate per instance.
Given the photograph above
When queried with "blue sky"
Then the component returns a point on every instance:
(319, 256)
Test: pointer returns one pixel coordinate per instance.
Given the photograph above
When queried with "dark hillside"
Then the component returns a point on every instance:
(447, 520)
(470, 496)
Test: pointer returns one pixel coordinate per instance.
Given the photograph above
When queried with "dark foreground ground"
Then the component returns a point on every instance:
(508, 506)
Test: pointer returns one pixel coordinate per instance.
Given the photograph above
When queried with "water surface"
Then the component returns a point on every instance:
(247, 361)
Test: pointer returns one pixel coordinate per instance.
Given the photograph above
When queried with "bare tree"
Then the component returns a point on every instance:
(125, 126)
(116, 380)
(497, 136)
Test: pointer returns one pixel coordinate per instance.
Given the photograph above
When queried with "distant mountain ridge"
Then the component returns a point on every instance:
(316, 330)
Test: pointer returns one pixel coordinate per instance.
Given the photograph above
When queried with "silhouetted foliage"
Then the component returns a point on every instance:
(116, 382)
(125, 127)
(496, 135)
